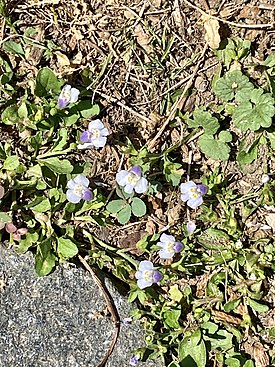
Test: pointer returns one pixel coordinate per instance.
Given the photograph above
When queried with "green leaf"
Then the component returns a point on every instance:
(257, 306)
(124, 215)
(87, 109)
(231, 305)
(249, 363)
(174, 293)
(172, 171)
(214, 148)
(11, 163)
(232, 82)
(44, 258)
(10, 115)
(61, 140)
(40, 205)
(257, 111)
(138, 207)
(271, 138)
(13, 47)
(232, 362)
(57, 165)
(171, 318)
(4, 218)
(248, 151)
(115, 206)
(22, 111)
(30, 239)
(221, 340)
(192, 349)
(204, 119)
(66, 248)
(225, 136)
(46, 83)
(210, 326)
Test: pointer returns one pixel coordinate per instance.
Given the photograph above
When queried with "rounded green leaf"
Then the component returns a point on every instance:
(138, 207)
(11, 163)
(115, 206)
(124, 215)
(66, 248)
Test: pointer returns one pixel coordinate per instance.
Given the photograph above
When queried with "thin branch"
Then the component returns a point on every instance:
(178, 103)
(110, 305)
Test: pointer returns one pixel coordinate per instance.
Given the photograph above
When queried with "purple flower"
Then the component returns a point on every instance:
(132, 180)
(169, 246)
(78, 188)
(67, 95)
(134, 361)
(192, 193)
(147, 274)
(191, 227)
(95, 136)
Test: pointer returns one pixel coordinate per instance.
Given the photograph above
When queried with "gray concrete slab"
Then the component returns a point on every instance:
(59, 320)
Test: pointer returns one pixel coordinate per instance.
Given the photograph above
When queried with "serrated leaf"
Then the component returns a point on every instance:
(214, 148)
(232, 82)
(44, 258)
(57, 165)
(66, 247)
(204, 119)
(115, 206)
(257, 111)
(124, 215)
(138, 207)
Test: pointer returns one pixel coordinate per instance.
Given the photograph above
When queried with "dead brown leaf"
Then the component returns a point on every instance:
(270, 220)
(143, 39)
(212, 36)
(224, 317)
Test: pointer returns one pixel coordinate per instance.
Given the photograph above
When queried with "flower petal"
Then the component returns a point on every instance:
(185, 187)
(96, 124)
(144, 283)
(178, 247)
(71, 184)
(104, 132)
(163, 254)
(194, 203)
(99, 142)
(81, 180)
(72, 197)
(145, 265)
(121, 177)
(136, 170)
(167, 238)
(191, 227)
(85, 146)
(157, 276)
(85, 137)
(74, 95)
(87, 195)
(129, 187)
(142, 186)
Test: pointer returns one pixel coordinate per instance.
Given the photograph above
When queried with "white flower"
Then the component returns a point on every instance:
(67, 95)
(95, 136)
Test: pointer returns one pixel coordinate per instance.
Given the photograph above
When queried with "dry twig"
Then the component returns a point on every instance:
(178, 103)
(110, 305)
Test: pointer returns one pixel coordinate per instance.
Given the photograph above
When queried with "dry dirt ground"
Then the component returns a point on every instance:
(136, 58)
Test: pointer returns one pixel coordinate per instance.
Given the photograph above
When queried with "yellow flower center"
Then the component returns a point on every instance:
(79, 189)
(194, 192)
(95, 133)
(132, 178)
